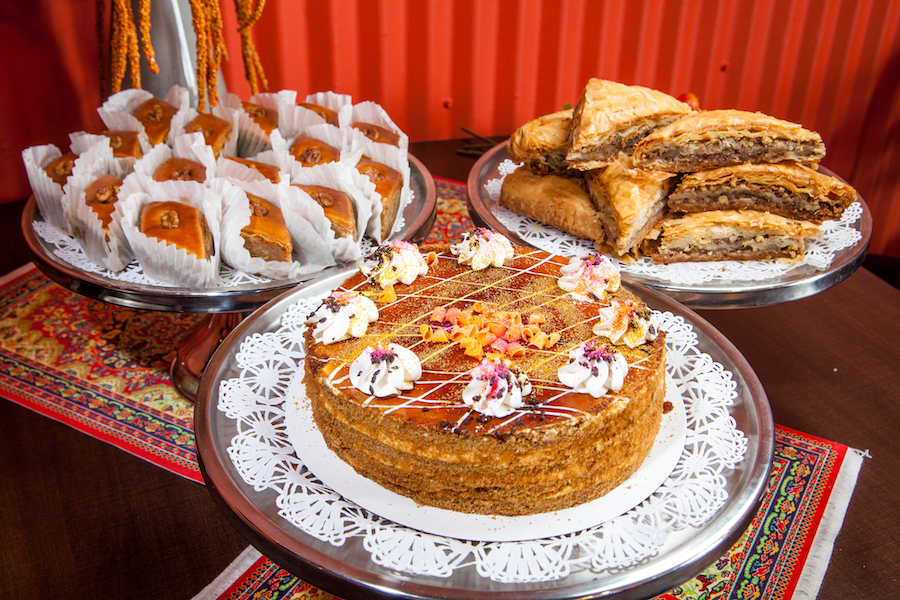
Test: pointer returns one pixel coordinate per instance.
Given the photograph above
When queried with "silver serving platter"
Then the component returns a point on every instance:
(419, 217)
(799, 283)
(349, 572)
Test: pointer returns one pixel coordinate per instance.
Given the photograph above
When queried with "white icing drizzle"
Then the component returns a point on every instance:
(589, 279)
(496, 389)
(481, 248)
(623, 322)
(384, 372)
(594, 370)
(394, 261)
(342, 315)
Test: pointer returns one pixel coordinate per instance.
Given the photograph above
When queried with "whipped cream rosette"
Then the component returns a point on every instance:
(342, 315)
(344, 179)
(165, 262)
(385, 371)
(496, 388)
(91, 206)
(311, 252)
(594, 369)
(590, 279)
(626, 323)
(482, 248)
(394, 262)
(117, 112)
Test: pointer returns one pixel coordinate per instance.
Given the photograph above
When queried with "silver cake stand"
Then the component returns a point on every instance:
(225, 306)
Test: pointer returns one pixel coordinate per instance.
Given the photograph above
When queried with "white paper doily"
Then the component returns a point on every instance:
(312, 450)
(67, 249)
(836, 236)
(263, 455)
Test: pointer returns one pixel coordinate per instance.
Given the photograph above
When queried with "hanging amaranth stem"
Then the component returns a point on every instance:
(127, 38)
(248, 13)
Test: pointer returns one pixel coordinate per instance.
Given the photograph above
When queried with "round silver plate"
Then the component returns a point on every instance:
(799, 283)
(349, 572)
(419, 217)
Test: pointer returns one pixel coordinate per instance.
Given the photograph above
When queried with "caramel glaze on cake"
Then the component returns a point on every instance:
(124, 144)
(59, 169)
(216, 132)
(330, 116)
(180, 224)
(101, 196)
(180, 169)
(310, 152)
(564, 448)
(270, 172)
(156, 116)
(338, 207)
(388, 183)
(266, 236)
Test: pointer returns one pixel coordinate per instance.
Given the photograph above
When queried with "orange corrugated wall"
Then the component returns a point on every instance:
(490, 65)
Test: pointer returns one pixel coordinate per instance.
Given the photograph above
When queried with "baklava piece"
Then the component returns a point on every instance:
(727, 235)
(338, 207)
(216, 131)
(180, 169)
(630, 201)
(266, 236)
(180, 224)
(389, 183)
(310, 151)
(785, 189)
(709, 139)
(156, 116)
(561, 202)
(542, 144)
(611, 117)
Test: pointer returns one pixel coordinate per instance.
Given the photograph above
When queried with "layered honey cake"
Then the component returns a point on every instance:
(483, 377)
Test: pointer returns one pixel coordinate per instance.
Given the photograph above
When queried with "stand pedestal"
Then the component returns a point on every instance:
(197, 348)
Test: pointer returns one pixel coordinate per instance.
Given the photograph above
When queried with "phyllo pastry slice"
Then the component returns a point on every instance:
(389, 184)
(560, 202)
(710, 139)
(630, 201)
(542, 143)
(612, 117)
(310, 151)
(785, 189)
(727, 235)
(338, 206)
(216, 131)
(266, 236)
(180, 224)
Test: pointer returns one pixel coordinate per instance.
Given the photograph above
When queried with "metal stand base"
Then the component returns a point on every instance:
(197, 348)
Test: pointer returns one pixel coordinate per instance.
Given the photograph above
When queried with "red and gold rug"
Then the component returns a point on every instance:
(104, 370)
